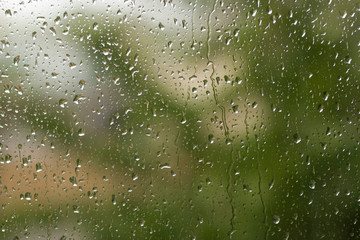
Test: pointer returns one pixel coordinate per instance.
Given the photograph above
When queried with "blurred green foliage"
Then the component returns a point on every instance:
(212, 120)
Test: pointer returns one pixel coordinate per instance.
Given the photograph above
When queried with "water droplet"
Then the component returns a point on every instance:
(235, 108)
(8, 158)
(328, 131)
(72, 65)
(62, 102)
(8, 13)
(312, 184)
(82, 84)
(53, 31)
(117, 81)
(297, 138)
(73, 181)
(183, 120)
(320, 108)
(81, 132)
(79, 98)
(57, 20)
(276, 219)
(308, 162)
(113, 199)
(7, 88)
(38, 167)
(325, 96)
(134, 176)
(18, 90)
(111, 121)
(271, 185)
(76, 209)
(95, 26)
(165, 166)
(28, 196)
(25, 161)
(161, 26)
(343, 14)
(16, 60)
(211, 138)
(208, 181)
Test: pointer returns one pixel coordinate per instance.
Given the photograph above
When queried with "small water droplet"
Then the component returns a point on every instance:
(113, 199)
(117, 80)
(161, 26)
(8, 158)
(79, 98)
(62, 102)
(81, 132)
(228, 141)
(16, 60)
(134, 176)
(7, 88)
(28, 196)
(53, 31)
(165, 166)
(72, 65)
(343, 14)
(8, 13)
(276, 219)
(73, 181)
(328, 131)
(297, 138)
(308, 162)
(82, 84)
(183, 120)
(211, 138)
(325, 96)
(57, 20)
(235, 108)
(78, 163)
(76, 209)
(320, 108)
(111, 121)
(312, 184)
(38, 167)
(25, 161)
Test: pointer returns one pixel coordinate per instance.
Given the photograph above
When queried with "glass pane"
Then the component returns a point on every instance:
(171, 119)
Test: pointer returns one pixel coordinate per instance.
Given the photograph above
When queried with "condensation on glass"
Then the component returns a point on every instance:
(170, 119)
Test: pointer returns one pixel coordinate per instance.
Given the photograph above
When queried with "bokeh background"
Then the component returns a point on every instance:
(169, 119)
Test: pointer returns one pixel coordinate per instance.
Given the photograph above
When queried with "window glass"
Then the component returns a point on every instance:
(179, 119)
